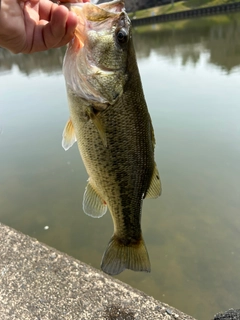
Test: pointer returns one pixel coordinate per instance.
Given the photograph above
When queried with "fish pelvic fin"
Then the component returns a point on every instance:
(93, 205)
(68, 137)
(155, 187)
(119, 257)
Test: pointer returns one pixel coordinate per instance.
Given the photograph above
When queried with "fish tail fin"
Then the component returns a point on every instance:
(119, 257)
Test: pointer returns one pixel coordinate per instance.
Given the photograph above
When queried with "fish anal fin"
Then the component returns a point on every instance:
(119, 257)
(155, 187)
(68, 137)
(96, 119)
(93, 205)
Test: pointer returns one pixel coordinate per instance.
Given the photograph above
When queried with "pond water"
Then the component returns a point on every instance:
(191, 77)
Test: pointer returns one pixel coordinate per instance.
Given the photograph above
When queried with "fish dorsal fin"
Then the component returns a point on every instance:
(68, 137)
(93, 205)
(95, 117)
(155, 188)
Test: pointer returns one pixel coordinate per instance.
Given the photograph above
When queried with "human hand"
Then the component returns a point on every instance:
(28, 26)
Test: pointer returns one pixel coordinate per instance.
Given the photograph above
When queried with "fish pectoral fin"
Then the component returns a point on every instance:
(98, 124)
(68, 137)
(155, 187)
(93, 205)
(119, 257)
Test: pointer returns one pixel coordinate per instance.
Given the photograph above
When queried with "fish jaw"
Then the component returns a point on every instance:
(95, 64)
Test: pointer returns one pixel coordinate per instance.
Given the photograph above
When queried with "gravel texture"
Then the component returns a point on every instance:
(40, 283)
(231, 314)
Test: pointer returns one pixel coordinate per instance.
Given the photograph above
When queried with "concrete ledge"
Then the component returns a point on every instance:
(39, 282)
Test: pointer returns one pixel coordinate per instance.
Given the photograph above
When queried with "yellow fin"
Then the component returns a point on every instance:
(119, 257)
(68, 137)
(93, 205)
(155, 187)
(98, 124)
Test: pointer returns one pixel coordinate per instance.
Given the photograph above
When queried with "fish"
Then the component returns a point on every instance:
(110, 122)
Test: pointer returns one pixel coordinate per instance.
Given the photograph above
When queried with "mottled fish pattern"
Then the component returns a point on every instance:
(109, 120)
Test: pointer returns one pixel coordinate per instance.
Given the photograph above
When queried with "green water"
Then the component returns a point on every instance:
(191, 77)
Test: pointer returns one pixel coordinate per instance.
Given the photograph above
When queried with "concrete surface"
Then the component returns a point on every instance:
(231, 314)
(40, 283)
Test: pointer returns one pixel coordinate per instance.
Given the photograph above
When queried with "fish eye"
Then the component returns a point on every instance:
(122, 36)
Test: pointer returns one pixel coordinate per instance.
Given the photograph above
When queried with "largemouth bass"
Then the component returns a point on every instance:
(109, 120)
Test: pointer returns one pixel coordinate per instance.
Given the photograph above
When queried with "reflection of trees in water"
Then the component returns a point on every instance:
(218, 36)
(48, 61)
(227, 49)
(6, 60)
(221, 40)
(172, 44)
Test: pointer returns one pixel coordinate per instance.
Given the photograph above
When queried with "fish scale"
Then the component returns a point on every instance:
(110, 121)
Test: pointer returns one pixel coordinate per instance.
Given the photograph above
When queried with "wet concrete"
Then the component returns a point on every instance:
(39, 282)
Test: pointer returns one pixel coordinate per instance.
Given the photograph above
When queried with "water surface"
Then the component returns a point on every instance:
(191, 77)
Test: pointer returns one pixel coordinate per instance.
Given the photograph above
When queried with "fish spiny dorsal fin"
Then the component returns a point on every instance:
(93, 205)
(119, 257)
(68, 137)
(95, 117)
(155, 188)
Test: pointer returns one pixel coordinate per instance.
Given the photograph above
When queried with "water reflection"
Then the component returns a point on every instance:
(192, 231)
(48, 62)
(217, 35)
(186, 39)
